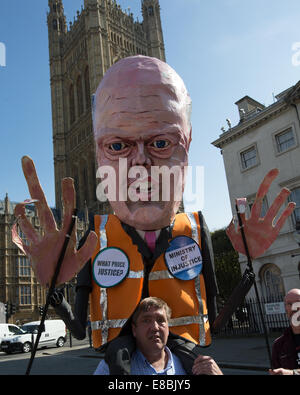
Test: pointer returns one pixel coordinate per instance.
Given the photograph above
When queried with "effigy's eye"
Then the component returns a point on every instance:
(119, 146)
(160, 144)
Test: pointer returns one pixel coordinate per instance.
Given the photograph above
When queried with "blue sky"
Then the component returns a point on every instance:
(223, 49)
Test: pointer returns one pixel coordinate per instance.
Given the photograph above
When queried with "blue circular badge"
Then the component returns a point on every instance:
(183, 258)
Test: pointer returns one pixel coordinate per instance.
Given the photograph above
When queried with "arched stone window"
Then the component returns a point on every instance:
(55, 24)
(93, 180)
(150, 10)
(76, 185)
(295, 197)
(85, 189)
(79, 96)
(87, 88)
(272, 284)
(71, 104)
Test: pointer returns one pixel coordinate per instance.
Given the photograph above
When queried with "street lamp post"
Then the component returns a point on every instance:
(68, 300)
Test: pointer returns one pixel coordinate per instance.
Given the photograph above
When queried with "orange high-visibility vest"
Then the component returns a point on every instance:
(111, 307)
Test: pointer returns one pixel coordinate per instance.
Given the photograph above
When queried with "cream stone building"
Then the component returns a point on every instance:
(18, 283)
(80, 54)
(267, 138)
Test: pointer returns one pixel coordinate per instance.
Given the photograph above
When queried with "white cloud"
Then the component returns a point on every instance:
(2, 55)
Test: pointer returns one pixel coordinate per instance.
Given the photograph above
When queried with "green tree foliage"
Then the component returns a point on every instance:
(227, 266)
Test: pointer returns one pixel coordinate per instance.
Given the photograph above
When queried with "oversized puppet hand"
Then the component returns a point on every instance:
(44, 250)
(260, 232)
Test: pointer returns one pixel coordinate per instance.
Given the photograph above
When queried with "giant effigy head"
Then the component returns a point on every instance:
(142, 131)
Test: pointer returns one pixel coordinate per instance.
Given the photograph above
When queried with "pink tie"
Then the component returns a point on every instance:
(150, 238)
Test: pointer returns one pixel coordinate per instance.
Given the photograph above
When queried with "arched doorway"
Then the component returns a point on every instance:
(272, 283)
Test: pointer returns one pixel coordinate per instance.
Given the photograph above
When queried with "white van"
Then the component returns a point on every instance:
(9, 330)
(54, 334)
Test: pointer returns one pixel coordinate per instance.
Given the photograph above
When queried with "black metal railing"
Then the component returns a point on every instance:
(246, 319)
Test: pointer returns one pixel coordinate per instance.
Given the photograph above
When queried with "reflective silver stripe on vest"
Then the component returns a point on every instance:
(103, 237)
(196, 237)
(192, 319)
(201, 323)
(105, 325)
(103, 294)
(160, 275)
(172, 226)
(103, 305)
(194, 227)
(132, 274)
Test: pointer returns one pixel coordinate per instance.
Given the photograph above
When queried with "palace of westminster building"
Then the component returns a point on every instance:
(80, 53)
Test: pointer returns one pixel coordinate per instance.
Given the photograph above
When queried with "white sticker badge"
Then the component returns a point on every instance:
(110, 267)
(183, 258)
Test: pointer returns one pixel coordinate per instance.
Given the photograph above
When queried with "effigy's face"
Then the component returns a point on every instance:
(142, 133)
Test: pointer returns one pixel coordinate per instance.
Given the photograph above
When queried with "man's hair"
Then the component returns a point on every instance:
(147, 303)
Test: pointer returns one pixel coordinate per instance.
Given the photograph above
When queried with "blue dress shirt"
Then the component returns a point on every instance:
(140, 365)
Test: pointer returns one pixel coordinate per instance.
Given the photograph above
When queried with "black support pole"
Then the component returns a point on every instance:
(250, 266)
(51, 289)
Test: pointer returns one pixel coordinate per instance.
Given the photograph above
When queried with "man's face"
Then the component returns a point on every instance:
(144, 125)
(290, 300)
(151, 331)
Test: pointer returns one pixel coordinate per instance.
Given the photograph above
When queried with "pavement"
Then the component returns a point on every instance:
(239, 352)
(242, 352)
(239, 355)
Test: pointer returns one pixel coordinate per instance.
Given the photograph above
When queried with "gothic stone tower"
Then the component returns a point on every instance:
(80, 54)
